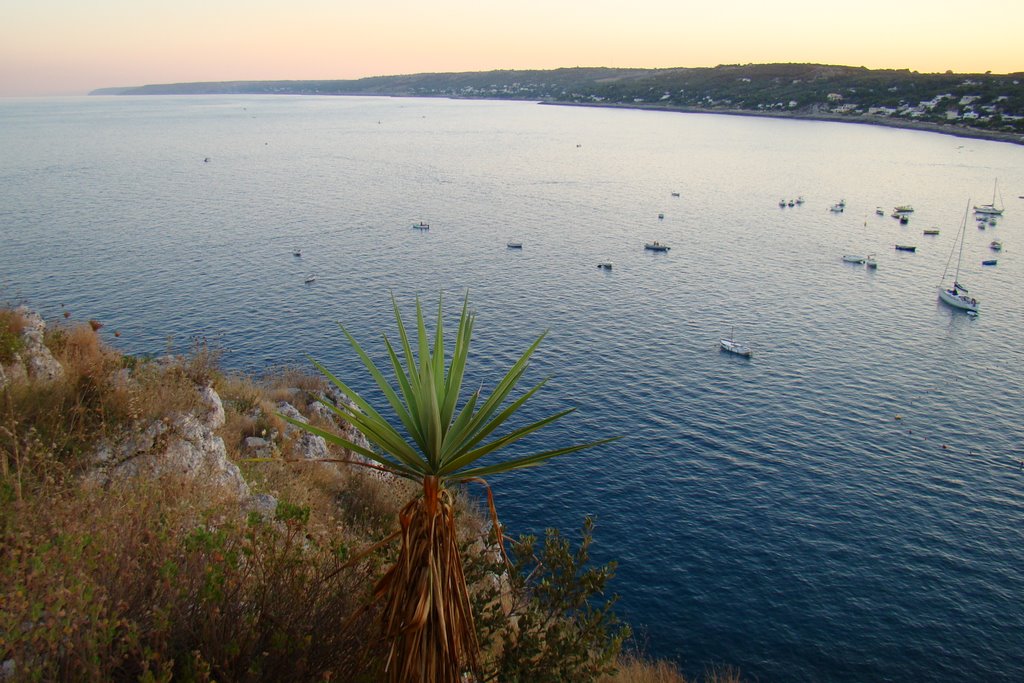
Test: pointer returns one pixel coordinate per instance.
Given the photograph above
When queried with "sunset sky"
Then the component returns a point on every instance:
(68, 47)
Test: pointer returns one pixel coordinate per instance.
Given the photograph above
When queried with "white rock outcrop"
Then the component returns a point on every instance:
(183, 445)
(34, 356)
(307, 446)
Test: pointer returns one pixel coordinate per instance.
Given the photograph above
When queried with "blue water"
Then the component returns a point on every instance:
(848, 505)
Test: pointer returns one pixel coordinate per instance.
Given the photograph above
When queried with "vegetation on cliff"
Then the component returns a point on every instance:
(977, 103)
(171, 574)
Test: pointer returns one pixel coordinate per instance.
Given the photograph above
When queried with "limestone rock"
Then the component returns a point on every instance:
(307, 446)
(215, 408)
(37, 359)
(184, 445)
(263, 504)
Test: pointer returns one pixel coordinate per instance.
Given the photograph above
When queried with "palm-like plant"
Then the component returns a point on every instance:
(427, 617)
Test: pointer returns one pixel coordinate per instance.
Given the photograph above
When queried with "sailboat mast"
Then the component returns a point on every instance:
(963, 229)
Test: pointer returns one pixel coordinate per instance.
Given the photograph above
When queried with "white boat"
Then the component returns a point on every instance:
(842, 203)
(297, 252)
(656, 246)
(871, 262)
(903, 208)
(995, 245)
(782, 203)
(514, 245)
(849, 258)
(879, 211)
(421, 226)
(310, 278)
(957, 295)
(992, 221)
(800, 200)
(836, 208)
(605, 265)
(737, 347)
(991, 209)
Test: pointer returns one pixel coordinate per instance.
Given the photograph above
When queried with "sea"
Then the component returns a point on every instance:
(846, 505)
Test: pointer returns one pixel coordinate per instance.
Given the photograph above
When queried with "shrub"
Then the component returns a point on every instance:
(547, 619)
(11, 327)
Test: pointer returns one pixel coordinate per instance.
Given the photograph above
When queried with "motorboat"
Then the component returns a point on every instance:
(870, 262)
(990, 262)
(297, 252)
(905, 247)
(661, 216)
(957, 295)
(995, 245)
(849, 258)
(879, 210)
(605, 265)
(310, 278)
(904, 208)
(836, 208)
(421, 226)
(800, 200)
(514, 245)
(931, 231)
(656, 246)
(675, 194)
(782, 203)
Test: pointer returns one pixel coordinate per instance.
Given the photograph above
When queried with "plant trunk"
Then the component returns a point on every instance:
(427, 618)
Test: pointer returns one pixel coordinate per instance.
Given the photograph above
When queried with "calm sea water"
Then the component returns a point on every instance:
(848, 505)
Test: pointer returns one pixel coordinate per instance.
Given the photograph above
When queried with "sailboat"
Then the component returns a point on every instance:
(957, 295)
(732, 345)
(991, 209)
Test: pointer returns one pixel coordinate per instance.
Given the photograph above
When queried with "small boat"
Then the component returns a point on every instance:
(836, 208)
(514, 245)
(904, 208)
(421, 226)
(957, 295)
(849, 258)
(310, 278)
(605, 265)
(842, 203)
(904, 219)
(905, 247)
(656, 246)
(879, 211)
(931, 231)
(992, 221)
(661, 216)
(675, 194)
(991, 209)
(800, 200)
(297, 252)
(737, 347)
(990, 262)
(791, 203)
(782, 203)
(995, 245)
(870, 262)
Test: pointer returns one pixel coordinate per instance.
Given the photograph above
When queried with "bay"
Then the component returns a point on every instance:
(846, 505)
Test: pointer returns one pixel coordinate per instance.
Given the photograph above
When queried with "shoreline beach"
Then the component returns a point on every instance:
(946, 129)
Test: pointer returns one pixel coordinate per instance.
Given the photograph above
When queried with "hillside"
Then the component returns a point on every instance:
(985, 105)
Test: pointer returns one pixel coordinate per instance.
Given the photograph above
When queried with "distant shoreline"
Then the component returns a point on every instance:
(956, 131)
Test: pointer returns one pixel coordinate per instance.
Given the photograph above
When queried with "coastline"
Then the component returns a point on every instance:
(926, 126)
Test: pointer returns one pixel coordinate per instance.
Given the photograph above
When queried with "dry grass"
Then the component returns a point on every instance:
(11, 327)
(633, 669)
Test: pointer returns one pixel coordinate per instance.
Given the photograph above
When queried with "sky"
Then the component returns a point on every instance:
(69, 47)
